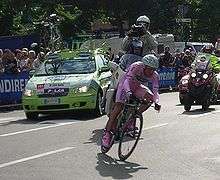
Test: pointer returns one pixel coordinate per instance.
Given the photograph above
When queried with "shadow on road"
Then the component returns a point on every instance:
(198, 111)
(96, 137)
(115, 169)
(217, 103)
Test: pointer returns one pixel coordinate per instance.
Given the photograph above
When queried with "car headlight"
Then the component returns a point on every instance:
(81, 89)
(193, 75)
(28, 92)
(184, 81)
(205, 76)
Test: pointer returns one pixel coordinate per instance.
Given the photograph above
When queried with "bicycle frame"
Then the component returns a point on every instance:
(130, 109)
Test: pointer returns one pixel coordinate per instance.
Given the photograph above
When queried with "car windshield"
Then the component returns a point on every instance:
(82, 65)
(198, 47)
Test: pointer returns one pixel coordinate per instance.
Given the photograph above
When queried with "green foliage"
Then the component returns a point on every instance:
(19, 17)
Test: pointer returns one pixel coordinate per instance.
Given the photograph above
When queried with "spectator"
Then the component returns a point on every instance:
(187, 58)
(9, 62)
(18, 56)
(1, 64)
(35, 47)
(166, 60)
(193, 53)
(32, 57)
(178, 63)
(25, 49)
(24, 61)
(40, 58)
(47, 51)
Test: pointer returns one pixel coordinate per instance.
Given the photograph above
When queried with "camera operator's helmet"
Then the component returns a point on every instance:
(143, 19)
(208, 49)
(151, 61)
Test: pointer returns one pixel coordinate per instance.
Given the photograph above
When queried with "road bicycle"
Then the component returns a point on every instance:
(127, 137)
(49, 32)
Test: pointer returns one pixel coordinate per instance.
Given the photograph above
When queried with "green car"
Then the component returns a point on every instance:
(67, 82)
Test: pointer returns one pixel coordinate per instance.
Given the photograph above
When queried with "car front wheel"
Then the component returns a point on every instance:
(31, 115)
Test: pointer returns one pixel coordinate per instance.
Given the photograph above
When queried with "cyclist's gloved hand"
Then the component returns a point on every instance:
(157, 107)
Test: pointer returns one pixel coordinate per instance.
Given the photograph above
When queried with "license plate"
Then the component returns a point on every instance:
(52, 101)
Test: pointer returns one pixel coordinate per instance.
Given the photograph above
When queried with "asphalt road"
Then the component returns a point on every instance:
(174, 145)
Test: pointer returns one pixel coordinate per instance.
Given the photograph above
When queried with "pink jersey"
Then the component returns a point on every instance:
(134, 80)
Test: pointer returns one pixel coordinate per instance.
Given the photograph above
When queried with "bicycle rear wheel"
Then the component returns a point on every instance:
(129, 137)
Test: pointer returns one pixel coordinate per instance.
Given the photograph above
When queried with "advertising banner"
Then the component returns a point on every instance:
(167, 77)
(11, 87)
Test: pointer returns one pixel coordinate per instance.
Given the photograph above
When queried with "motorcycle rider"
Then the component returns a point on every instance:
(149, 42)
(208, 51)
(134, 54)
(132, 82)
(217, 53)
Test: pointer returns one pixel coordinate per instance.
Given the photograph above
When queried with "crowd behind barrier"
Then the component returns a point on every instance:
(14, 71)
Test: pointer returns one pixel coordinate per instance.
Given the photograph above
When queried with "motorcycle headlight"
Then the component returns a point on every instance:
(205, 76)
(28, 92)
(193, 75)
(184, 81)
(82, 89)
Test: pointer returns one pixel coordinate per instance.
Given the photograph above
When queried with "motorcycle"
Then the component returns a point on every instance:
(199, 87)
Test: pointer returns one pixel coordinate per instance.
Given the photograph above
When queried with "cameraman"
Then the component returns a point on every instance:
(149, 42)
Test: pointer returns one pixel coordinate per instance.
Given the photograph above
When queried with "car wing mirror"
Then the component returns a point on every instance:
(31, 72)
(104, 69)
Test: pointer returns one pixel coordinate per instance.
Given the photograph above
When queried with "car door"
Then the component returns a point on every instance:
(104, 74)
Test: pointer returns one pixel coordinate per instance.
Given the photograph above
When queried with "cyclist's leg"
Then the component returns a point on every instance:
(111, 124)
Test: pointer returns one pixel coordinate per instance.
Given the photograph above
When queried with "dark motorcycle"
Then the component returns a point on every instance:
(199, 87)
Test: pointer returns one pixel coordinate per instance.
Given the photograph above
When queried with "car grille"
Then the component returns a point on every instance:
(50, 107)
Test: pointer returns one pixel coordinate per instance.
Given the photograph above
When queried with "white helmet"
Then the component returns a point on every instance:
(144, 19)
(151, 61)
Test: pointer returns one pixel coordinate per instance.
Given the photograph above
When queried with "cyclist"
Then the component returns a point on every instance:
(132, 82)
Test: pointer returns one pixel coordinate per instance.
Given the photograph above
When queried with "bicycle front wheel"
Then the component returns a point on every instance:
(131, 132)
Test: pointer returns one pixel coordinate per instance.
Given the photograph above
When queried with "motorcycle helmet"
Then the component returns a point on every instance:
(151, 61)
(208, 49)
(136, 47)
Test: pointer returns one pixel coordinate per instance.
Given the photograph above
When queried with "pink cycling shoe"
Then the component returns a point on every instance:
(107, 139)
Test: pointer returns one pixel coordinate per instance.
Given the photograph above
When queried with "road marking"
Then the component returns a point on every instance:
(156, 126)
(35, 157)
(36, 129)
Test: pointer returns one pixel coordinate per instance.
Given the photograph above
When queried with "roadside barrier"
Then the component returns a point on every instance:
(11, 88)
(12, 85)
